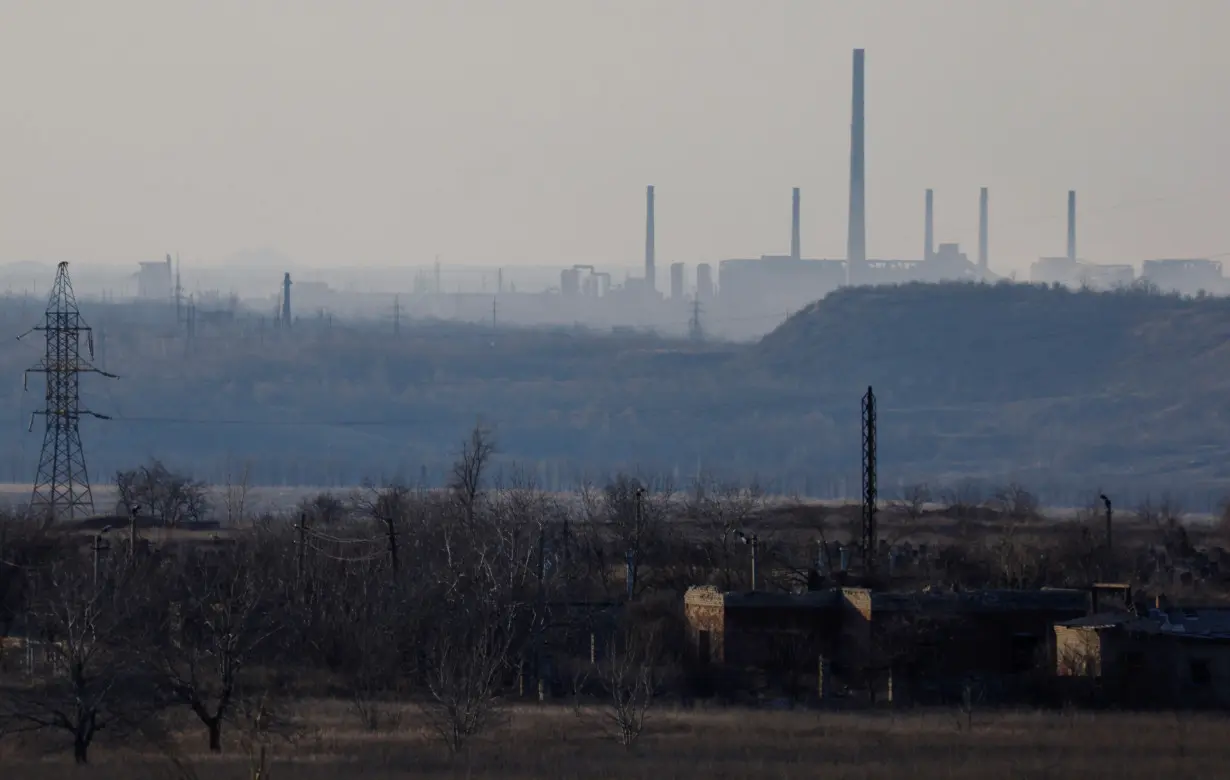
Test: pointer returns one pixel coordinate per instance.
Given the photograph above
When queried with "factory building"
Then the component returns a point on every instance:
(779, 281)
(1185, 276)
(1078, 273)
(676, 281)
(155, 280)
(705, 289)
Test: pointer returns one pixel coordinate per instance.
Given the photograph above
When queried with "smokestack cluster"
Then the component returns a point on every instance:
(795, 251)
(856, 242)
(649, 256)
(1072, 225)
(929, 227)
(982, 230)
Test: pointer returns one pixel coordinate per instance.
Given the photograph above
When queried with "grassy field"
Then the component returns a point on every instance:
(555, 742)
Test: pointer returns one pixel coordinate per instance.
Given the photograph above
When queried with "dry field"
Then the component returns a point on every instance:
(554, 742)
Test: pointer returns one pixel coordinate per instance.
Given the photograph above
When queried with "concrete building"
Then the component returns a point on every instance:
(1168, 656)
(917, 639)
(155, 281)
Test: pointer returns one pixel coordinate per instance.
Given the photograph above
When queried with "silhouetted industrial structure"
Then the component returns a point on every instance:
(982, 231)
(856, 240)
(62, 483)
(286, 321)
(869, 541)
(650, 271)
(795, 247)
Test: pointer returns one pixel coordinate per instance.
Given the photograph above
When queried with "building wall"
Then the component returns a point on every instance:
(704, 611)
(1147, 669)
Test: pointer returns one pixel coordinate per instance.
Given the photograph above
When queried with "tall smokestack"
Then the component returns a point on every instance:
(1072, 225)
(794, 226)
(982, 230)
(649, 259)
(929, 227)
(286, 300)
(856, 242)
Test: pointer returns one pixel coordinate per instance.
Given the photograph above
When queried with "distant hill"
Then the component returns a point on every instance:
(1066, 392)
(976, 378)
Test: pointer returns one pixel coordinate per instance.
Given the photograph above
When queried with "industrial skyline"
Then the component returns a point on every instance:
(530, 162)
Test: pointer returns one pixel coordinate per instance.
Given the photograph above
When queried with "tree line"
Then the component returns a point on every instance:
(454, 599)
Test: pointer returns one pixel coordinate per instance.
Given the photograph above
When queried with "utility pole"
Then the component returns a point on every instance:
(493, 311)
(302, 548)
(753, 541)
(391, 529)
(1109, 518)
(132, 533)
(396, 315)
(179, 294)
(98, 549)
(634, 550)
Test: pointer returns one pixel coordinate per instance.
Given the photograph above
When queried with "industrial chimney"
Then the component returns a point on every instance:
(794, 226)
(929, 227)
(856, 242)
(982, 231)
(286, 300)
(1072, 225)
(649, 258)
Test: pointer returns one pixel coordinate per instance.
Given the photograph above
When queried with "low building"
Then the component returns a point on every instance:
(1166, 657)
(926, 640)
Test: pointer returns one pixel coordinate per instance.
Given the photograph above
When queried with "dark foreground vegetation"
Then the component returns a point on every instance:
(421, 618)
(530, 742)
(1065, 391)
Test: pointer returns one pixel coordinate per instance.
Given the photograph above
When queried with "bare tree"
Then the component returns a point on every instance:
(467, 656)
(913, 502)
(466, 482)
(1016, 503)
(262, 726)
(83, 618)
(171, 497)
(723, 512)
(628, 680)
(235, 493)
(213, 618)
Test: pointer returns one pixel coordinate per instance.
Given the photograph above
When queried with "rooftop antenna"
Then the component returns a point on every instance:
(62, 484)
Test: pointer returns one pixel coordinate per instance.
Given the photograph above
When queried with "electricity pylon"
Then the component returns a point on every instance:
(62, 485)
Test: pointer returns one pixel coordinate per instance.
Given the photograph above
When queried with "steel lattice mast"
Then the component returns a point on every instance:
(62, 486)
(870, 541)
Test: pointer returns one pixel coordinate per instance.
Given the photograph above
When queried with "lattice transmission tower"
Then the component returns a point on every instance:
(62, 485)
(870, 540)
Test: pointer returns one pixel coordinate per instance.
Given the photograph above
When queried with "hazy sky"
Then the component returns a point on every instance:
(525, 132)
